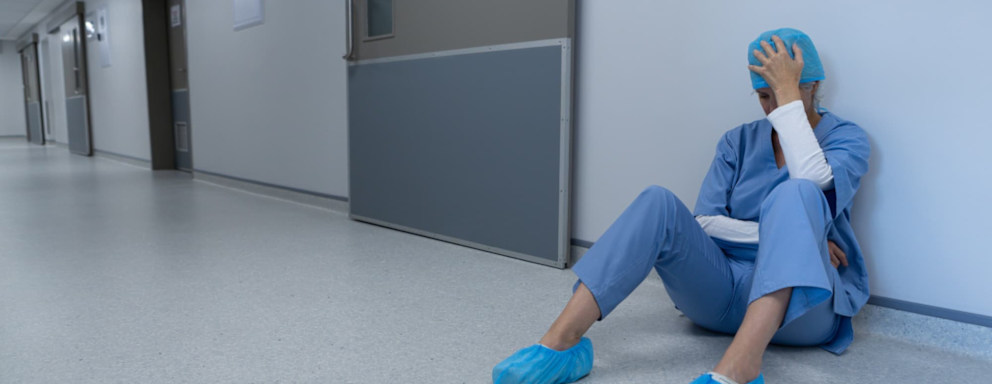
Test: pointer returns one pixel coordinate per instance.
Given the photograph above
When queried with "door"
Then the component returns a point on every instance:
(180, 84)
(32, 92)
(460, 121)
(44, 65)
(76, 87)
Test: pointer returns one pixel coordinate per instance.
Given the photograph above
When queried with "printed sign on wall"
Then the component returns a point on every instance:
(103, 36)
(175, 15)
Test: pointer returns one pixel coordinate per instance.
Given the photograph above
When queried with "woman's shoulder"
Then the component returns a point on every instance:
(838, 127)
(842, 135)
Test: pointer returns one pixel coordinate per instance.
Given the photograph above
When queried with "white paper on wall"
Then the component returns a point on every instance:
(175, 16)
(248, 13)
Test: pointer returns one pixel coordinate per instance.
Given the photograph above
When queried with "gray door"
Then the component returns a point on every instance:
(180, 84)
(45, 64)
(460, 121)
(76, 87)
(32, 93)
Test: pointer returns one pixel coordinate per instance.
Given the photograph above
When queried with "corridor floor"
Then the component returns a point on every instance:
(110, 273)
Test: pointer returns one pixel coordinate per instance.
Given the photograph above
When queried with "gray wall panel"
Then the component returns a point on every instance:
(34, 122)
(79, 137)
(463, 146)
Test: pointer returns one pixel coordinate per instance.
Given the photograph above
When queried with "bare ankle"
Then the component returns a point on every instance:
(740, 371)
(559, 343)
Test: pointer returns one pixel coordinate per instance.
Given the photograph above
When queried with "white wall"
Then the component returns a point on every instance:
(119, 93)
(12, 121)
(269, 102)
(659, 82)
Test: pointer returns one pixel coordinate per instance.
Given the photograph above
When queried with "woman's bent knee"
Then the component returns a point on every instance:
(656, 198)
(656, 191)
(801, 191)
(815, 327)
(800, 186)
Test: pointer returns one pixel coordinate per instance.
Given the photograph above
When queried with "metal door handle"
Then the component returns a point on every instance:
(349, 10)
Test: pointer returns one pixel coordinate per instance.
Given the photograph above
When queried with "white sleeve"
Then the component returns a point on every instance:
(729, 229)
(802, 152)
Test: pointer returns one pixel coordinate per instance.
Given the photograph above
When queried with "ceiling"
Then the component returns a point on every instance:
(18, 16)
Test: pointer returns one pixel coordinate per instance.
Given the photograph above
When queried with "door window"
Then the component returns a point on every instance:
(379, 14)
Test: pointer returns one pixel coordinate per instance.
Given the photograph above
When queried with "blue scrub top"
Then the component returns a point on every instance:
(744, 172)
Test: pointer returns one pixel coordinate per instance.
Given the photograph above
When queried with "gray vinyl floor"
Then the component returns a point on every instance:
(110, 273)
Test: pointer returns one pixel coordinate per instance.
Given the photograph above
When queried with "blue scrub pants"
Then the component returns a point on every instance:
(711, 285)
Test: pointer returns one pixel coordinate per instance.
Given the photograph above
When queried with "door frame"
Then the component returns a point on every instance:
(177, 48)
(162, 138)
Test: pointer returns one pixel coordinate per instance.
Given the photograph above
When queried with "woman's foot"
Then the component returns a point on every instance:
(539, 364)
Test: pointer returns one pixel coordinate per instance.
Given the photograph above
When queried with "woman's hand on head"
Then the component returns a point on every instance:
(837, 256)
(780, 71)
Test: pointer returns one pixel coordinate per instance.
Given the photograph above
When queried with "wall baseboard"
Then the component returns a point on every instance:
(924, 329)
(319, 200)
(929, 310)
(138, 162)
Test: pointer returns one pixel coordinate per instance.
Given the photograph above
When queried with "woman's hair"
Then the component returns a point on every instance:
(816, 94)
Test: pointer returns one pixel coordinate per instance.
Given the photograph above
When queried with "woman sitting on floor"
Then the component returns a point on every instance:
(768, 255)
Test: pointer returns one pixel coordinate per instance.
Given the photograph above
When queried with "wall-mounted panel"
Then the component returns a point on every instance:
(469, 147)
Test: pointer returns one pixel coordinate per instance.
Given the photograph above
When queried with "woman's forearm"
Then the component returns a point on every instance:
(729, 229)
(802, 151)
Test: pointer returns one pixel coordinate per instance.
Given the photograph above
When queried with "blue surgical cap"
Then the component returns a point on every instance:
(813, 68)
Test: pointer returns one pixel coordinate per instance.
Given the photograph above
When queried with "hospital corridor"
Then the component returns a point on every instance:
(447, 191)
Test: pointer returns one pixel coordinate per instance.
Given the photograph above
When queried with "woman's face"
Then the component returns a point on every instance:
(767, 99)
(768, 103)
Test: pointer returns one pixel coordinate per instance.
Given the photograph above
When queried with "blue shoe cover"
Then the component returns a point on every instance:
(538, 364)
(709, 379)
